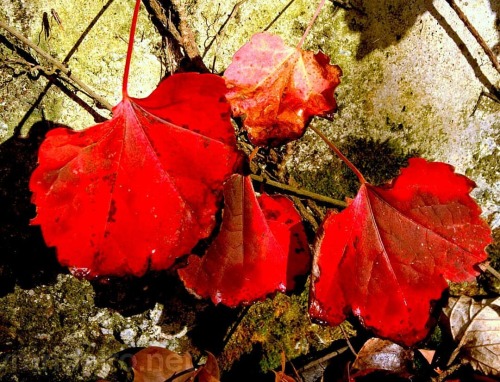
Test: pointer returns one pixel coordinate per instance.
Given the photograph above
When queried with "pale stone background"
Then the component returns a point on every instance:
(413, 75)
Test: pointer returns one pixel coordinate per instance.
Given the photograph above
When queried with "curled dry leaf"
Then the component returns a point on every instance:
(261, 248)
(141, 189)
(388, 255)
(383, 355)
(278, 89)
(157, 364)
(475, 325)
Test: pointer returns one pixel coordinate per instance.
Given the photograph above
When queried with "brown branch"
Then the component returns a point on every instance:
(58, 65)
(489, 268)
(187, 37)
(475, 33)
(299, 192)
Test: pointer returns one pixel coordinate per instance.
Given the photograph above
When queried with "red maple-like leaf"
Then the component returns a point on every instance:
(388, 255)
(278, 89)
(141, 189)
(260, 248)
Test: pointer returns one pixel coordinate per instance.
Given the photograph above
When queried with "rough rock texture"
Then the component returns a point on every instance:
(56, 333)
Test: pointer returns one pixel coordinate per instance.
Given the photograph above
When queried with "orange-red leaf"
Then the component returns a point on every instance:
(260, 248)
(141, 189)
(388, 255)
(278, 89)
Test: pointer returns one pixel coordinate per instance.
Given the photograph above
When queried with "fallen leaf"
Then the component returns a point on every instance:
(209, 372)
(157, 364)
(475, 325)
(388, 255)
(261, 248)
(382, 355)
(278, 89)
(141, 189)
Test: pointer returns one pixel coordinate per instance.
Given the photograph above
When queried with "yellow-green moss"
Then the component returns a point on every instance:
(277, 325)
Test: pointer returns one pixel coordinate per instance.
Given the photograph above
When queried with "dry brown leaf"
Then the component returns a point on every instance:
(210, 371)
(156, 364)
(382, 355)
(475, 325)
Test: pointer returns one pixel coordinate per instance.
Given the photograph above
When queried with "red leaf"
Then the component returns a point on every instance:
(143, 188)
(388, 254)
(261, 248)
(279, 88)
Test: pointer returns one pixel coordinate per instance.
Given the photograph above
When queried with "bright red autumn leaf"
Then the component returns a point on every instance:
(278, 88)
(261, 248)
(141, 189)
(388, 255)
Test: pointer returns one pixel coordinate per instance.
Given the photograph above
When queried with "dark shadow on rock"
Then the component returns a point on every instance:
(247, 369)
(133, 295)
(378, 161)
(495, 7)
(382, 23)
(24, 258)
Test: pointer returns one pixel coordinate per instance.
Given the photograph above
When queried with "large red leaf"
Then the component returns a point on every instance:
(278, 89)
(390, 252)
(260, 248)
(143, 188)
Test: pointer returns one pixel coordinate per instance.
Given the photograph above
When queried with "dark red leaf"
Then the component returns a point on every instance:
(390, 252)
(278, 89)
(261, 248)
(143, 188)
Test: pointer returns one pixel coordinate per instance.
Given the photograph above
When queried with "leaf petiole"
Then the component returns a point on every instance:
(315, 16)
(344, 159)
(130, 49)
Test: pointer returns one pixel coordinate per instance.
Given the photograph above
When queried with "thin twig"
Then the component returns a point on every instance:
(231, 15)
(323, 359)
(489, 268)
(348, 341)
(297, 191)
(101, 101)
(475, 33)
(278, 15)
